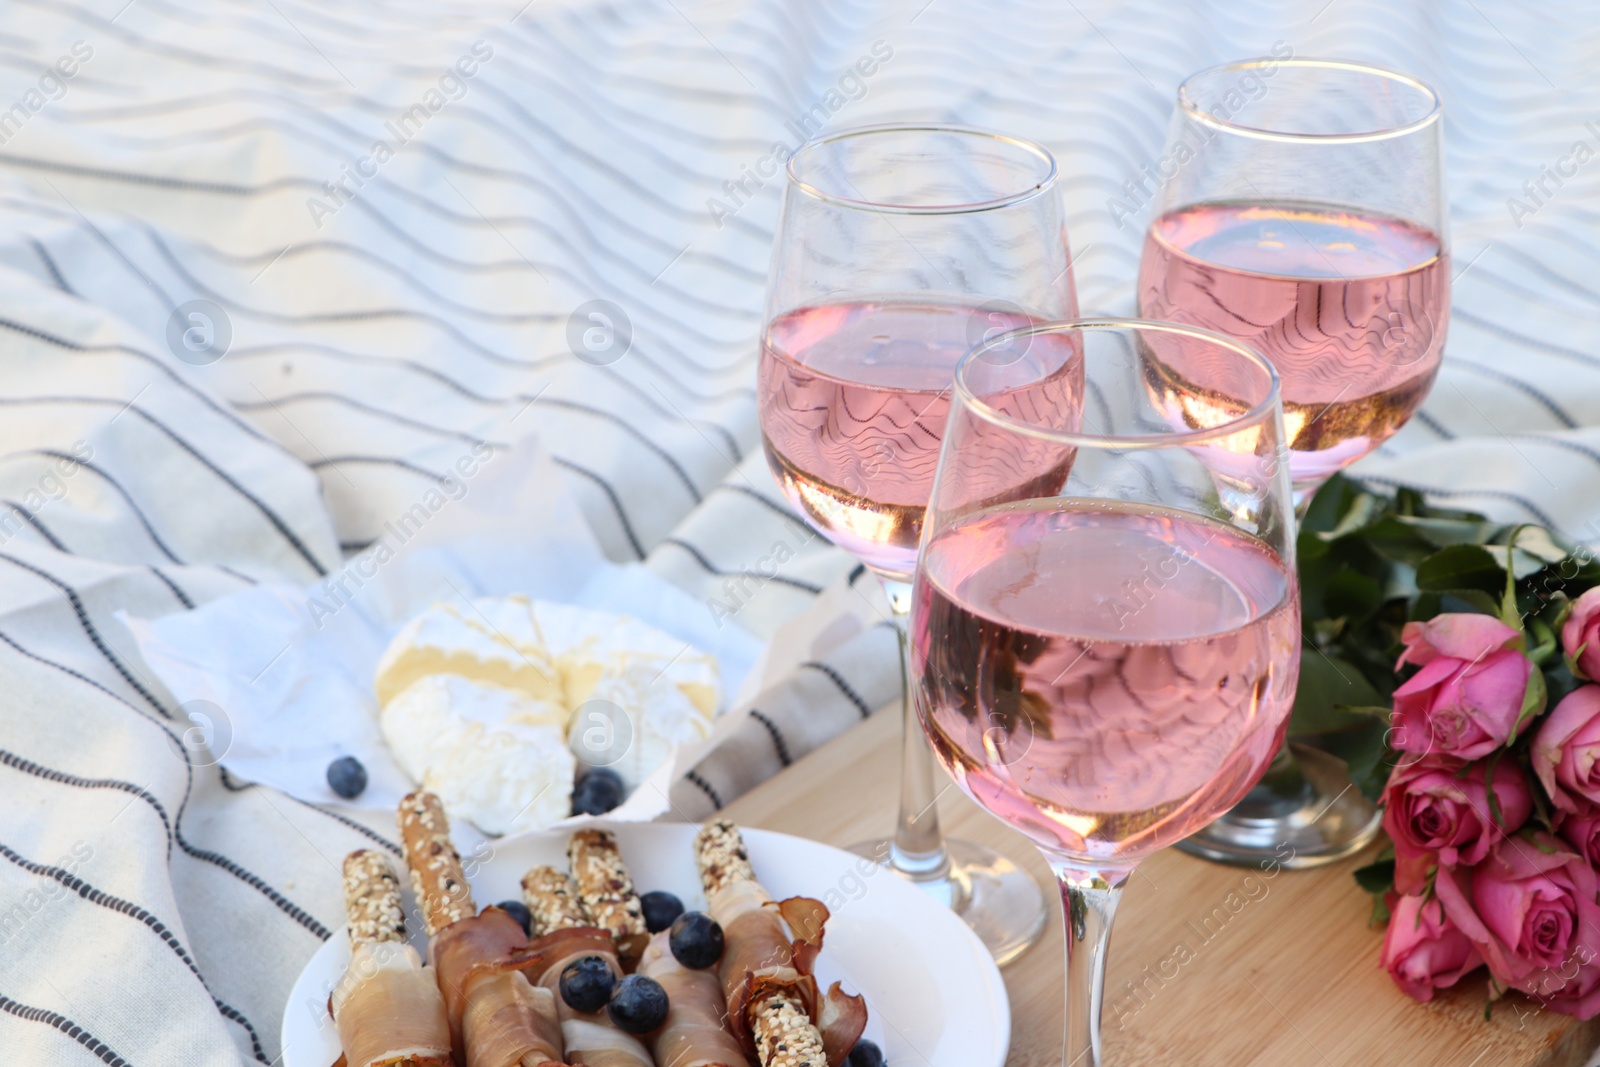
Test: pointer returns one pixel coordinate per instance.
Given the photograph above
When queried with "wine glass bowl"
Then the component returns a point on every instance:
(1108, 663)
(1306, 218)
(899, 249)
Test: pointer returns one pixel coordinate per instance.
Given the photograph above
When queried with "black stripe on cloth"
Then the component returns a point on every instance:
(38, 527)
(700, 558)
(183, 598)
(630, 430)
(66, 1026)
(611, 494)
(1435, 425)
(232, 786)
(126, 496)
(50, 265)
(1538, 396)
(27, 766)
(771, 505)
(1522, 339)
(705, 787)
(155, 925)
(89, 630)
(844, 686)
(855, 575)
(1494, 494)
(221, 475)
(282, 903)
(187, 386)
(777, 735)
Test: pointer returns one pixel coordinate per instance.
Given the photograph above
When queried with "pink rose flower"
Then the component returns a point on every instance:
(1566, 747)
(1423, 951)
(1581, 830)
(1436, 814)
(1465, 700)
(1530, 909)
(1582, 630)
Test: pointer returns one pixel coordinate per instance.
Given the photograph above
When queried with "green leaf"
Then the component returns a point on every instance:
(1365, 751)
(1376, 877)
(1533, 699)
(1328, 685)
(1461, 567)
(1380, 911)
(1543, 639)
(1352, 594)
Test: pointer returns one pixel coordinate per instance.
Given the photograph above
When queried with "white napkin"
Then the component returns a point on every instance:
(277, 679)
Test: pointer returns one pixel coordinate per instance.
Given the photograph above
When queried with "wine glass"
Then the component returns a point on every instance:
(899, 248)
(1108, 666)
(1300, 208)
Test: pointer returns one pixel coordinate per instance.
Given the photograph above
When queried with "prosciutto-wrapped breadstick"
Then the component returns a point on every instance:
(773, 1004)
(387, 1009)
(497, 1018)
(564, 933)
(605, 889)
(695, 1033)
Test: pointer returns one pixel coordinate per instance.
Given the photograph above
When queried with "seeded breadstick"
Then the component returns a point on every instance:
(783, 1031)
(436, 876)
(720, 853)
(784, 1034)
(552, 900)
(606, 890)
(372, 898)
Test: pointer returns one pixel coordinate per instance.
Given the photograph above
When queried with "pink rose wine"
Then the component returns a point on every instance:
(1105, 677)
(854, 399)
(1350, 308)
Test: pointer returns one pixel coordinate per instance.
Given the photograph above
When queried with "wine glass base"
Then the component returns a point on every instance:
(1328, 821)
(998, 900)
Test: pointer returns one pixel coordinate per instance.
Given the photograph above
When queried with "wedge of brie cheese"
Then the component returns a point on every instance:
(471, 695)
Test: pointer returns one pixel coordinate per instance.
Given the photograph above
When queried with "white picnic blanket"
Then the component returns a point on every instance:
(392, 221)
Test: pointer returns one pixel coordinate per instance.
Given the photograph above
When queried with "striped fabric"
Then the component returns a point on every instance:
(397, 217)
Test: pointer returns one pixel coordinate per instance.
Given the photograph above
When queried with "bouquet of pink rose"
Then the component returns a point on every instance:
(1488, 641)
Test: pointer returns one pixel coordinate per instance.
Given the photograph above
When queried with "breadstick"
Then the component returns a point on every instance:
(436, 875)
(372, 898)
(605, 889)
(552, 900)
(776, 1020)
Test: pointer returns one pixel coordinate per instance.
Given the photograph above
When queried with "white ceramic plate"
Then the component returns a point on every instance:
(933, 994)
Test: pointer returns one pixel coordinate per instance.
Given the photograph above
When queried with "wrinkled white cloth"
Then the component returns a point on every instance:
(397, 219)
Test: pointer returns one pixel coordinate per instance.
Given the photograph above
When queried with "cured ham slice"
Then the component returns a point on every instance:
(694, 1034)
(387, 1009)
(773, 1004)
(564, 932)
(497, 1017)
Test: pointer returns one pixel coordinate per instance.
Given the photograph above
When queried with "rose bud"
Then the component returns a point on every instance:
(1465, 700)
(1566, 747)
(1580, 636)
(1423, 951)
(1435, 814)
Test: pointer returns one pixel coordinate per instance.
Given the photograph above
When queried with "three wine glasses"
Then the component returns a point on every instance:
(1085, 528)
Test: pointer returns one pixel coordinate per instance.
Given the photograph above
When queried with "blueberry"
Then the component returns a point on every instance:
(696, 940)
(599, 789)
(661, 910)
(865, 1054)
(587, 983)
(347, 777)
(638, 1005)
(518, 911)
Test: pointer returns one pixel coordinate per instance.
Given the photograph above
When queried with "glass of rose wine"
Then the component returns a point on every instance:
(1300, 208)
(1109, 664)
(899, 249)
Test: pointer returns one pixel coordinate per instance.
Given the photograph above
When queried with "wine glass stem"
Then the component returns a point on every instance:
(1088, 904)
(917, 850)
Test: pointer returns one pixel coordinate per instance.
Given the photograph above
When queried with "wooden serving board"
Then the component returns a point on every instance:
(1211, 966)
